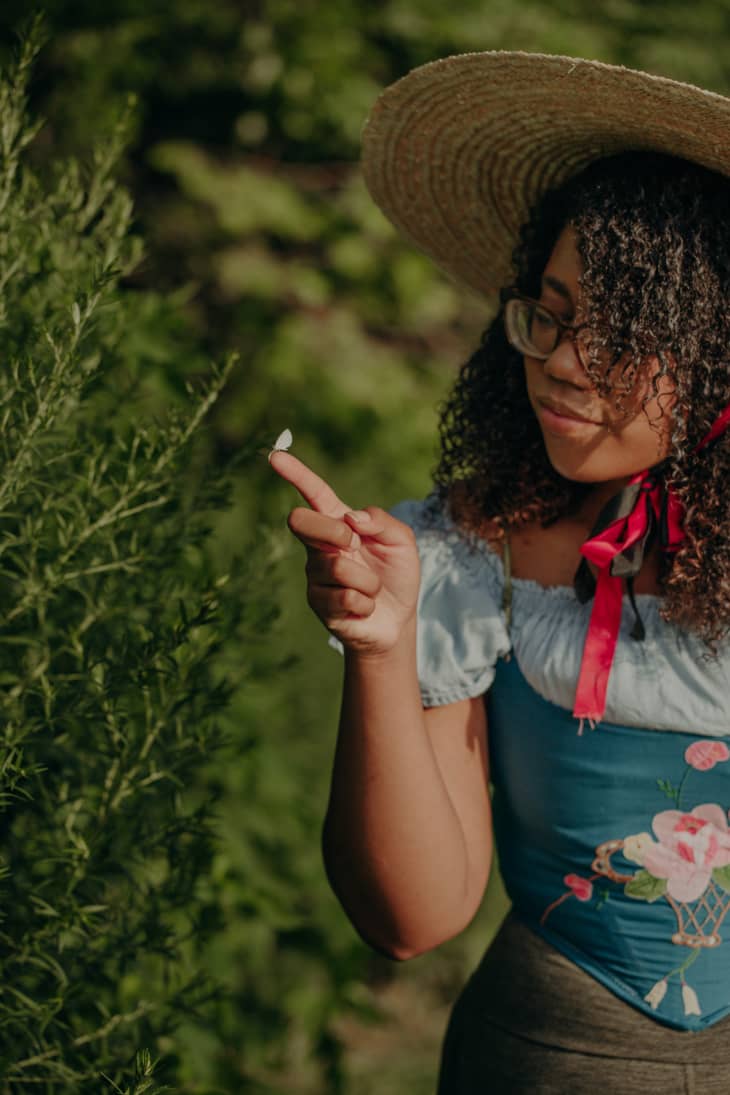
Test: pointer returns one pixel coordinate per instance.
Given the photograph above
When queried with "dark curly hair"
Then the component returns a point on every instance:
(653, 232)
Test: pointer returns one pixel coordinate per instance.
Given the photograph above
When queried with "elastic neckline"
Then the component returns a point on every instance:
(509, 581)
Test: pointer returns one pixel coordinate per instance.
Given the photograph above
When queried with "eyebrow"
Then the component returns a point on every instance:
(557, 286)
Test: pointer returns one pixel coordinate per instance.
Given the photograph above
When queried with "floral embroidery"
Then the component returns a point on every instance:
(689, 848)
(686, 862)
(581, 887)
(656, 993)
(703, 755)
(636, 847)
(690, 1001)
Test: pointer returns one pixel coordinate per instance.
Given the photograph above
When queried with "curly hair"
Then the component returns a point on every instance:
(653, 234)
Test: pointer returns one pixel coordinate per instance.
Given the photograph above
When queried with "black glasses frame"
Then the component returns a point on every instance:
(570, 329)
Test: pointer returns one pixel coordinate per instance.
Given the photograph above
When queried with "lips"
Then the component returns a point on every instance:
(567, 412)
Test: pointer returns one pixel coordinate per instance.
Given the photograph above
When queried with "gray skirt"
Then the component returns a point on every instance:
(530, 1020)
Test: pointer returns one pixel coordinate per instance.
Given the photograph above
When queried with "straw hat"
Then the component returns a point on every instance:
(456, 152)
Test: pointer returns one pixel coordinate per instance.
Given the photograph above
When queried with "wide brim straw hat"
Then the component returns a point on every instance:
(457, 152)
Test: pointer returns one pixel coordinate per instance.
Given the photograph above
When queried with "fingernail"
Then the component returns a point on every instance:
(361, 516)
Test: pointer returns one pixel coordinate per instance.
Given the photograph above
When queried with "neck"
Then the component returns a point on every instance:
(596, 499)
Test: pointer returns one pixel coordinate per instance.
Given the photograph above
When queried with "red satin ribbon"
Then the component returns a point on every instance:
(601, 550)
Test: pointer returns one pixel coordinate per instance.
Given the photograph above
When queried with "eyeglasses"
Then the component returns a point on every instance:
(536, 331)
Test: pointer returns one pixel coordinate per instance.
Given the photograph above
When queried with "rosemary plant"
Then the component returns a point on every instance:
(111, 614)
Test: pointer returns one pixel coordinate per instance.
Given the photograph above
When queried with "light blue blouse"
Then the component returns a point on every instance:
(666, 682)
(614, 845)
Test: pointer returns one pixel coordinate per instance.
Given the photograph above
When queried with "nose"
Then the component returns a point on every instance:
(565, 366)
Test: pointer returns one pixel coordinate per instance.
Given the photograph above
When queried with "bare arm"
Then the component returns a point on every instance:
(407, 837)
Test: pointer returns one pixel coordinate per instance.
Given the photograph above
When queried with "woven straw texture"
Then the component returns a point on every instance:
(456, 152)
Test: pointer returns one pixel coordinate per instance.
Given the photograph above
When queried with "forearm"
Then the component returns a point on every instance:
(394, 846)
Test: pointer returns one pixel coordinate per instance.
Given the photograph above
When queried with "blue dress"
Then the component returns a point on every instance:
(613, 843)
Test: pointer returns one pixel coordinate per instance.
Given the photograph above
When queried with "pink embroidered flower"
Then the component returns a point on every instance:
(581, 887)
(690, 847)
(703, 755)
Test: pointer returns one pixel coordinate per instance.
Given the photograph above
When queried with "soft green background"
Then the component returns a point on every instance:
(260, 237)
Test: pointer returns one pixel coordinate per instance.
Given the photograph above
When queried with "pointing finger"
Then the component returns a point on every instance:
(314, 490)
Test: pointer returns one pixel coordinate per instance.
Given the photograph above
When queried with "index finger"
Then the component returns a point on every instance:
(318, 494)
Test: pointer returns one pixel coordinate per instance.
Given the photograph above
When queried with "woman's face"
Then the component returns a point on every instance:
(586, 439)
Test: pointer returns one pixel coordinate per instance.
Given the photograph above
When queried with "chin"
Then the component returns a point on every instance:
(582, 475)
(588, 468)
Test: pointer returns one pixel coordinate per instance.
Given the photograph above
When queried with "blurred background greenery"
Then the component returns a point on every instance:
(260, 237)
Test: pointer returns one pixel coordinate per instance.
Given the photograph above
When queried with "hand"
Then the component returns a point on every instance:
(362, 567)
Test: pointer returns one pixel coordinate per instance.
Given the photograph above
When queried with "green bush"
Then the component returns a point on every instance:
(113, 616)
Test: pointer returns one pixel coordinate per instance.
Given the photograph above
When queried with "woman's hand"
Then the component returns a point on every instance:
(362, 566)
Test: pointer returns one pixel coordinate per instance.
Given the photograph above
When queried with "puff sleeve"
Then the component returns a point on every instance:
(461, 631)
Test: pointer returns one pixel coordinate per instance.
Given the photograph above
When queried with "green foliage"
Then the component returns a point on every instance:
(243, 200)
(259, 237)
(112, 617)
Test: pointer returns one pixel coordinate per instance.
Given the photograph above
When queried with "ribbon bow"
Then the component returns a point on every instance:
(625, 529)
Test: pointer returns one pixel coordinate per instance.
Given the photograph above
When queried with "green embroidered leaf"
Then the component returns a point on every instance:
(602, 899)
(668, 789)
(721, 875)
(645, 887)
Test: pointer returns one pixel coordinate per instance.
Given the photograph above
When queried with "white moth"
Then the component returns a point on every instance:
(283, 441)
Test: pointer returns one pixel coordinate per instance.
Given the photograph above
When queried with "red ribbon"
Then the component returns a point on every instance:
(718, 427)
(601, 550)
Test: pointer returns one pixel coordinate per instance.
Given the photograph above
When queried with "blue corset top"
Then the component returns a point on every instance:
(614, 846)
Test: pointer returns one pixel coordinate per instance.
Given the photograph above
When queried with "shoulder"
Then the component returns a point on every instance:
(450, 553)
(461, 628)
(432, 521)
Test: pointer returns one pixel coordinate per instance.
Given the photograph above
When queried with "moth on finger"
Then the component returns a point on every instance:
(283, 441)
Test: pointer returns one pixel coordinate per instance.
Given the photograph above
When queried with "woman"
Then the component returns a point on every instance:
(572, 566)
